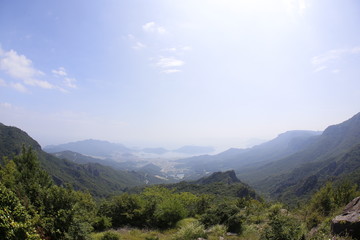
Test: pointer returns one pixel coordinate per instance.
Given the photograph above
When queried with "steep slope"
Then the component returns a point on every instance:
(90, 147)
(96, 178)
(283, 145)
(335, 153)
(228, 177)
(82, 159)
(219, 184)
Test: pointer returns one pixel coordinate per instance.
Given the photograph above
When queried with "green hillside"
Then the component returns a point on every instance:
(219, 184)
(334, 156)
(99, 180)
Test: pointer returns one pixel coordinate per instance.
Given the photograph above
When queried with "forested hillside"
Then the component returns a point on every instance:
(333, 156)
(32, 207)
(44, 197)
(98, 179)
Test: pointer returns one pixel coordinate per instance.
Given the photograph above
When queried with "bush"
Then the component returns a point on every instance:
(218, 230)
(225, 214)
(191, 231)
(185, 221)
(101, 223)
(15, 222)
(110, 236)
(282, 226)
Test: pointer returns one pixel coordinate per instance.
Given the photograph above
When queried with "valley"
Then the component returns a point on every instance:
(295, 168)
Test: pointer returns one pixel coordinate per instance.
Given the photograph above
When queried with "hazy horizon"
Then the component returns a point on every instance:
(227, 73)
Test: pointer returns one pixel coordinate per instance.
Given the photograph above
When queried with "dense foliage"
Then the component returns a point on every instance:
(33, 207)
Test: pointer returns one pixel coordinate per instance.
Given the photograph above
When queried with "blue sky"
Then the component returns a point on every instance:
(170, 73)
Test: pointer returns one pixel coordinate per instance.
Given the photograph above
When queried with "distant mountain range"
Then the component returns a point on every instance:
(98, 179)
(98, 148)
(219, 184)
(284, 145)
(294, 164)
(291, 166)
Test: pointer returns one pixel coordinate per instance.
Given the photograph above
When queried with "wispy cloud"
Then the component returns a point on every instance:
(18, 87)
(169, 64)
(136, 44)
(19, 67)
(166, 62)
(153, 27)
(6, 105)
(322, 61)
(168, 71)
(296, 7)
(2, 83)
(60, 72)
(178, 50)
(66, 81)
(70, 82)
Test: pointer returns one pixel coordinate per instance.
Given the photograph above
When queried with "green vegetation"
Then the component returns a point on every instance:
(30, 201)
(33, 207)
(43, 197)
(99, 180)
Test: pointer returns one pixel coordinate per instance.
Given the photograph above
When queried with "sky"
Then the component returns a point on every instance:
(151, 73)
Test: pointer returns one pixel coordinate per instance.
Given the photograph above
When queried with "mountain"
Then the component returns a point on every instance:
(83, 159)
(228, 177)
(335, 155)
(90, 147)
(284, 145)
(155, 150)
(219, 184)
(93, 177)
(193, 150)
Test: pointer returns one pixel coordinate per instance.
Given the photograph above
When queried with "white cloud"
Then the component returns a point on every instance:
(67, 81)
(322, 61)
(167, 62)
(5, 105)
(173, 49)
(178, 50)
(355, 50)
(136, 44)
(70, 82)
(20, 67)
(320, 68)
(2, 83)
(59, 72)
(296, 7)
(328, 56)
(18, 87)
(171, 71)
(153, 27)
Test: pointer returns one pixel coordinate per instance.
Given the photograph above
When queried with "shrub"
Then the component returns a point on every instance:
(282, 226)
(101, 223)
(185, 221)
(225, 214)
(110, 236)
(191, 231)
(218, 230)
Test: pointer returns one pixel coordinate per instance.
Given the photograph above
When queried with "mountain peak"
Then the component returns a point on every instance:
(228, 177)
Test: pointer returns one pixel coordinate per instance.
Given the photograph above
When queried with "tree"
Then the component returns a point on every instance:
(15, 222)
(282, 226)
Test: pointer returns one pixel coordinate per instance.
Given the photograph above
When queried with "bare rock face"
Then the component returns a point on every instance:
(348, 223)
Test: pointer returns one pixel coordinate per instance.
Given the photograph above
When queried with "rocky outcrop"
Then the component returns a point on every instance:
(348, 223)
